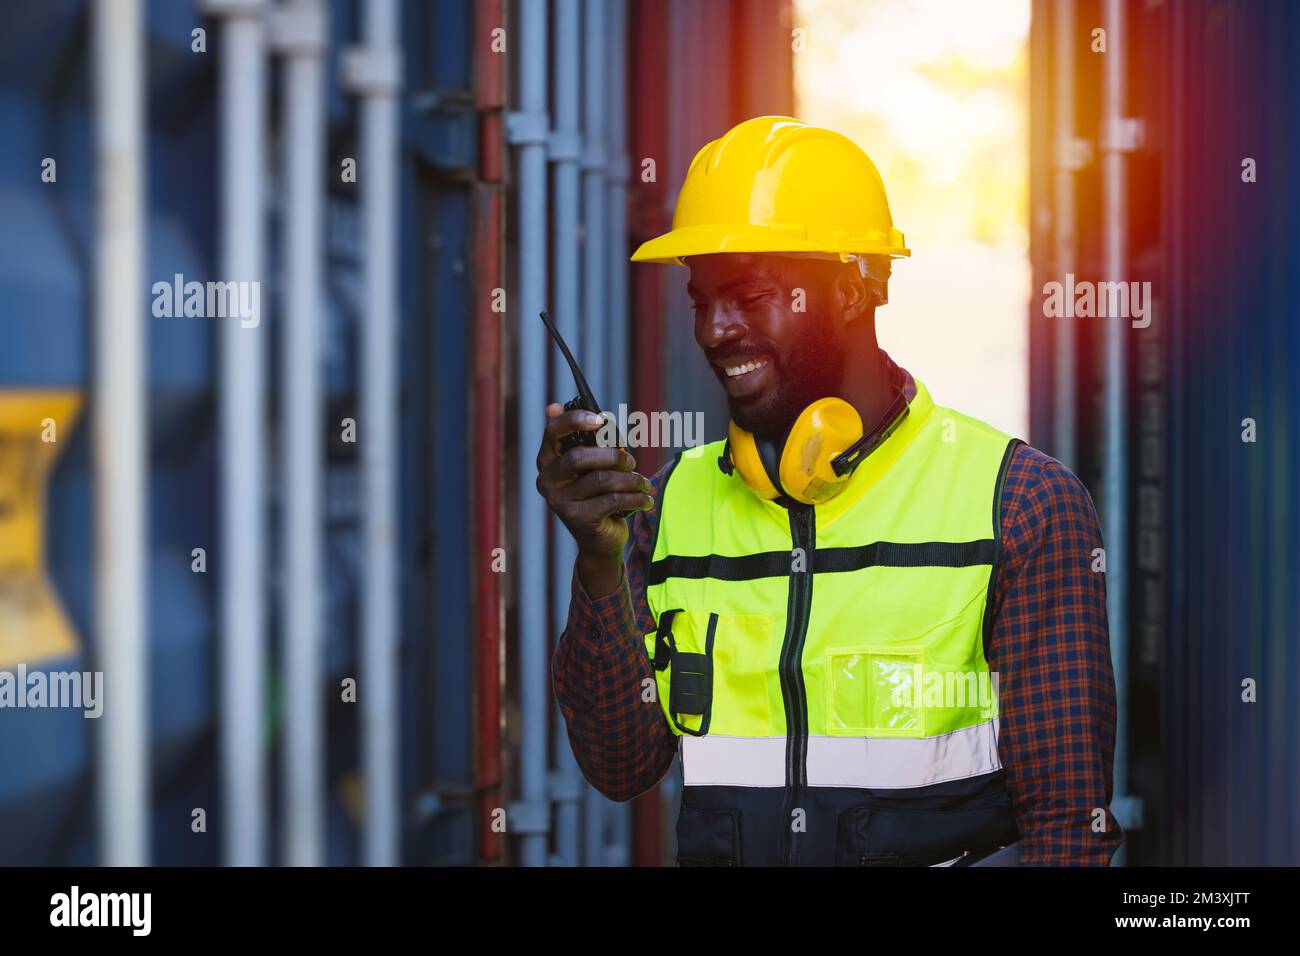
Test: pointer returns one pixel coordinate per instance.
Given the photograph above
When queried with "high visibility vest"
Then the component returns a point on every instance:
(824, 666)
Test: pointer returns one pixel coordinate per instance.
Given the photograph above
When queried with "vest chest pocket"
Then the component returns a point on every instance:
(709, 664)
(928, 682)
(876, 691)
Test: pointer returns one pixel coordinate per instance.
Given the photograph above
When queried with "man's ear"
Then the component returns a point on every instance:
(853, 294)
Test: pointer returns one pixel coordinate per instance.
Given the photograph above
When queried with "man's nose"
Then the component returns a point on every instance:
(717, 326)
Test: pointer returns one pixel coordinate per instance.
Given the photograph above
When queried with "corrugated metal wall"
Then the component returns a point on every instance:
(440, 281)
(46, 797)
(1214, 586)
(692, 70)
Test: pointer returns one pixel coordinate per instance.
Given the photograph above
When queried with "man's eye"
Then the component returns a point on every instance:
(752, 299)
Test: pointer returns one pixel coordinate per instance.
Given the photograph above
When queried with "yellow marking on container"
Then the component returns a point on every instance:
(33, 625)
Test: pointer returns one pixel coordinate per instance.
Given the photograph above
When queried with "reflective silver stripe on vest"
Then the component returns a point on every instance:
(884, 762)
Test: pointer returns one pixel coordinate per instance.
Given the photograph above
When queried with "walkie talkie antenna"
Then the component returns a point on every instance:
(584, 390)
(584, 400)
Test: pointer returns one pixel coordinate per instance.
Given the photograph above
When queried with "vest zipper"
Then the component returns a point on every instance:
(803, 535)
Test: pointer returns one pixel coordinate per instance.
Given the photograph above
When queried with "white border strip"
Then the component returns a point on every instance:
(875, 762)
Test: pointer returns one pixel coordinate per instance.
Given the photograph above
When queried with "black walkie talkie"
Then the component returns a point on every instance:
(584, 400)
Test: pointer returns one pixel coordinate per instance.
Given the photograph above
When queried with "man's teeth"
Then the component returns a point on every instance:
(734, 370)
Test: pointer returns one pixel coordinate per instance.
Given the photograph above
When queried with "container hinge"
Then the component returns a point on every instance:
(564, 787)
(372, 71)
(1074, 153)
(527, 129)
(299, 30)
(1123, 134)
(564, 146)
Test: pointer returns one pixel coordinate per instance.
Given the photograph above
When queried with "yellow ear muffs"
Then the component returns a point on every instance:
(823, 447)
(806, 471)
(747, 460)
(823, 431)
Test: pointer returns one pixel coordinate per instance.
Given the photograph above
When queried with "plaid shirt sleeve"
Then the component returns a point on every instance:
(600, 670)
(1050, 646)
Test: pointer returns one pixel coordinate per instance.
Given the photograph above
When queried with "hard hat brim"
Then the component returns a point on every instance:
(674, 246)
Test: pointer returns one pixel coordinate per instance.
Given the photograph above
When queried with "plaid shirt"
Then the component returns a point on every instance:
(1049, 643)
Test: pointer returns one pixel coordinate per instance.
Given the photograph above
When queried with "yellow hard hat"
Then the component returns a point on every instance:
(777, 184)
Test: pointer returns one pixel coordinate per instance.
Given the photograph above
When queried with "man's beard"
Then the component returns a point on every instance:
(812, 369)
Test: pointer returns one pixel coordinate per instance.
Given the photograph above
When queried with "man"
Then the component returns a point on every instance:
(870, 625)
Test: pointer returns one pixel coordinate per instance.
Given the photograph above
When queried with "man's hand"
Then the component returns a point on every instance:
(585, 486)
